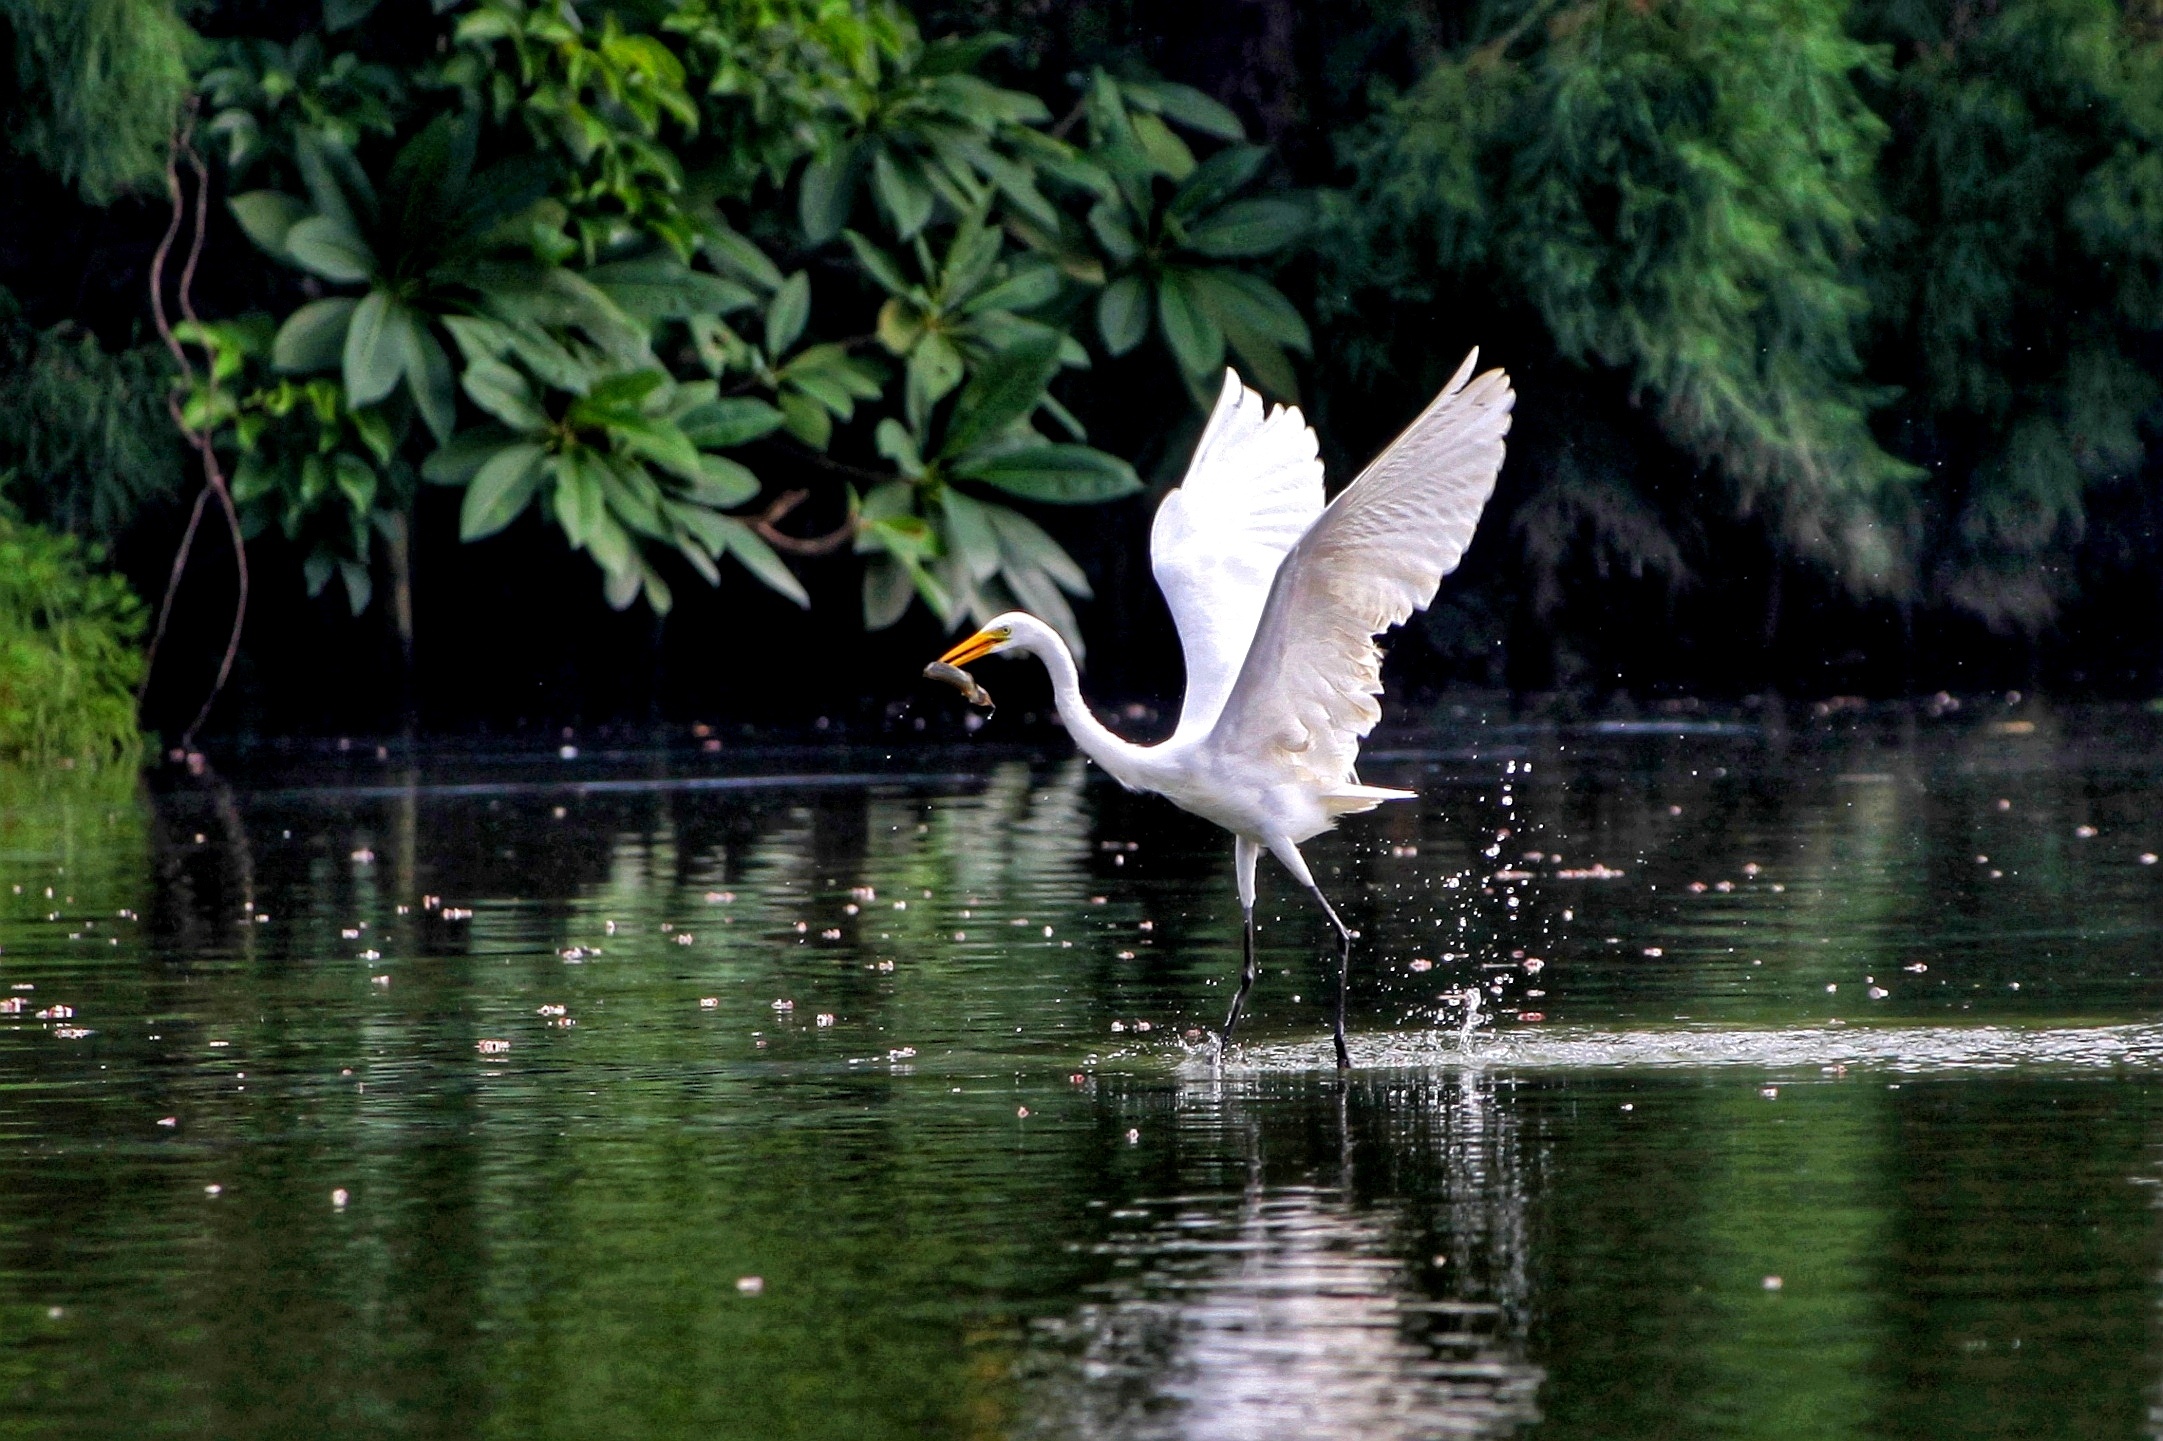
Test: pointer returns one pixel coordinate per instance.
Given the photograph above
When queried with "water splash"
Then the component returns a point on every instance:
(1900, 1050)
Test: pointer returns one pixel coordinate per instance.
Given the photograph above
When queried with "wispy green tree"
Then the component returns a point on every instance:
(2018, 282)
(97, 85)
(1677, 194)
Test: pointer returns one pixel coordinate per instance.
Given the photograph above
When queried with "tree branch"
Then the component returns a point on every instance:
(202, 440)
(766, 523)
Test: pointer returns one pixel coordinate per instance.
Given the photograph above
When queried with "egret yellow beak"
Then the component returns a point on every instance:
(976, 646)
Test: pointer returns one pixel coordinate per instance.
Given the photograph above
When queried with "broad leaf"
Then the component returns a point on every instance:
(731, 421)
(268, 216)
(1217, 179)
(1196, 342)
(755, 555)
(826, 193)
(1026, 543)
(501, 489)
(903, 196)
(1004, 390)
(1057, 474)
(428, 373)
(1166, 151)
(330, 249)
(788, 314)
(882, 267)
(1185, 105)
(313, 337)
(887, 593)
(969, 533)
(723, 483)
(660, 287)
(504, 393)
(1234, 297)
(1249, 228)
(1026, 289)
(1123, 313)
(376, 346)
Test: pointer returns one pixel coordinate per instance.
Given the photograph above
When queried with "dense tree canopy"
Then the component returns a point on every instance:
(1853, 302)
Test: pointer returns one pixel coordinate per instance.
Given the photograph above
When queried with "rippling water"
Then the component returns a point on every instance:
(1712, 1080)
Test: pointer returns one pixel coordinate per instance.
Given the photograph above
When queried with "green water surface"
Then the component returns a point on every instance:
(1813, 1090)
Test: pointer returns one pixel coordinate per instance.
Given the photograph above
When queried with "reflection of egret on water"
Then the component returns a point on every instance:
(1278, 599)
(1285, 1311)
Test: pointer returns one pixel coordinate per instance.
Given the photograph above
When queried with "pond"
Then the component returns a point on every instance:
(1813, 1088)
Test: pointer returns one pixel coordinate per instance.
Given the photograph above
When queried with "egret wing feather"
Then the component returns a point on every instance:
(1252, 490)
(1307, 688)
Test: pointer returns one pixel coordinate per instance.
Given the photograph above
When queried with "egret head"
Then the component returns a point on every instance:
(1015, 631)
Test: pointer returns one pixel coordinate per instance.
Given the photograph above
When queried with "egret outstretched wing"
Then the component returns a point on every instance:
(1252, 490)
(1306, 690)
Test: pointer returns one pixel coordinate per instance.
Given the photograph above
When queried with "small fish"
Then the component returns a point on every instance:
(960, 680)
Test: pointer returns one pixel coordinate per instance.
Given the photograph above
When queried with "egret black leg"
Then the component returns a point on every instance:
(1246, 981)
(1344, 974)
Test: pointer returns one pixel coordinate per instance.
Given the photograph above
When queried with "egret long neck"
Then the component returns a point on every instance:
(1124, 760)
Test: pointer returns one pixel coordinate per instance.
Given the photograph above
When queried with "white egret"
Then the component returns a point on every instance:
(1278, 599)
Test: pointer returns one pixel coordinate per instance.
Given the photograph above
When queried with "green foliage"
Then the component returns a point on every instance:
(611, 322)
(85, 441)
(97, 87)
(2020, 287)
(69, 661)
(1168, 223)
(1679, 193)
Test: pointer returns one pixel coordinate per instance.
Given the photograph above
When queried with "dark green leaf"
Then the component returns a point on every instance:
(1123, 313)
(827, 193)
(1187, 106)
(787, 316)
(504, 393)
(969, 534)
(1026, 543)
(732, 253)
(755, 555)
(342, 15)
(1027, 288)
(375, 348)
(660, 287)
(359, 585)
(428, 372)
(734, 420)
(501, 489)
(462, 458)
(1058, 474)
(1196, 342)
(356, 479)
(723, 483)
(887, 593)
(268, 216)
(313, 337)
(934, 368)
(882, 267)
(806, 419)
(1167, 152)
(1109, 225)
(1004, 390)
(1248, 302)
(581, 501)
(1217, 179)
(899, 187)
(1249, 228)
(331, 250)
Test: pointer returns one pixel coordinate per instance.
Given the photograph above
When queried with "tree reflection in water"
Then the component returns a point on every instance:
(1285, 1310)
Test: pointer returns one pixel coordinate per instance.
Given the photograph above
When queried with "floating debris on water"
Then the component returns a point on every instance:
(492, 1047)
